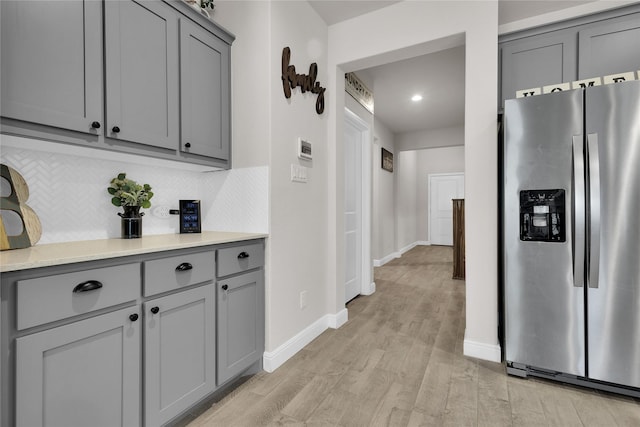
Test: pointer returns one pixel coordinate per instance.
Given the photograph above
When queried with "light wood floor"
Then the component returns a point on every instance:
(398, 362)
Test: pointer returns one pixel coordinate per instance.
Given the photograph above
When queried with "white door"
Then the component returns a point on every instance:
(357, 164)
(352, 210)
(442, 189)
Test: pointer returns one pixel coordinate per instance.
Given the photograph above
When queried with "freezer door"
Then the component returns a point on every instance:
(544, 305)
(613, 128)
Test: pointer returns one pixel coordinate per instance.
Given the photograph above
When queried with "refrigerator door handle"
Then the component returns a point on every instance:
(579, 211)
(594, 209)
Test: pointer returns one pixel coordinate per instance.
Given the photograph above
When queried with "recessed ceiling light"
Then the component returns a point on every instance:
(416, 98)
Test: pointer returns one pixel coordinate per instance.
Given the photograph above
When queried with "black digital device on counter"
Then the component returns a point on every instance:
(190, 216)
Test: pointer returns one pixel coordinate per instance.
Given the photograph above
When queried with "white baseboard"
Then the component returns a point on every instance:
(272, 360)
(383, 261)
(370, 290)
(394, 255)
(482, 351)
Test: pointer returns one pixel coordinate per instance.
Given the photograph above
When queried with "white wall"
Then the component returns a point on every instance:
(297, 247)
(433, 138)
(406, 197)
(433, 161)
(384, 199)
(250, 77)
(408, 29)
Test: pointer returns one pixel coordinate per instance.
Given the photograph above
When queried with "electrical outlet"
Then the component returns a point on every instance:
(161, 211)
(303, 299)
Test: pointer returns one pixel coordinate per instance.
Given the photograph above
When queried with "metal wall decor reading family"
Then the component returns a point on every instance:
(306, 82)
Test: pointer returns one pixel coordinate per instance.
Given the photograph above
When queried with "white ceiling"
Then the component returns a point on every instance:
(438, 76)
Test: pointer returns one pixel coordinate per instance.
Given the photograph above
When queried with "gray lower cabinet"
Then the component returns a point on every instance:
(81, 374)
(131, 341)
(179, 343)
(141, 72)
(240, 323)
(51, 63)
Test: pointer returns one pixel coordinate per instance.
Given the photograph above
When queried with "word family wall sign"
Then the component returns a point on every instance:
(306, 82)
(595, 81)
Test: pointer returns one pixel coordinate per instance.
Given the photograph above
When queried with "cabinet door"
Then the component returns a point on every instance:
(204, 91)
(609, 48)
(141, 42)
(538, 61)
(51, 63)
(83, 374)
(240, 323)
(179, 352)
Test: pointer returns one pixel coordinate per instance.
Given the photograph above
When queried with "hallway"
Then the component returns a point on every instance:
(398, 361)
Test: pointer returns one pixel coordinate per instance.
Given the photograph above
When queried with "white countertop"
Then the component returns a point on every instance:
(70, 252)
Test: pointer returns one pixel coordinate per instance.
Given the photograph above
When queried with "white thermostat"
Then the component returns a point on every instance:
(304, 149)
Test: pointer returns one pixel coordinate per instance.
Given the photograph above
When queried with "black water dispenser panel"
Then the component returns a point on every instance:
(542, 216)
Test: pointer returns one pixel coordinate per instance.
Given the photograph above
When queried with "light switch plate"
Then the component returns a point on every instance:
(298, 173)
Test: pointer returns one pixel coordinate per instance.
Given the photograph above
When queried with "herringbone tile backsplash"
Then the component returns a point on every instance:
(68, 193)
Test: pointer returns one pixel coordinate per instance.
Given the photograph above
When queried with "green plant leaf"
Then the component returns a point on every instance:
(116, 201)
(122, 176)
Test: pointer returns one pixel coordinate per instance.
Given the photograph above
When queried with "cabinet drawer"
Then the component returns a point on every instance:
(240, 258)
(46, 299)
(166, 274)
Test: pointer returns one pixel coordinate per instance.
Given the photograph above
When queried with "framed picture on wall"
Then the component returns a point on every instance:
(387, 160)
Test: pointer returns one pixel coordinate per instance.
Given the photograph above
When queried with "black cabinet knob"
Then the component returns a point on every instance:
(155, 310)
(133, 317)
(187, 145)
(95, 125)
(225, 287)
(115, 129)
(243, 255)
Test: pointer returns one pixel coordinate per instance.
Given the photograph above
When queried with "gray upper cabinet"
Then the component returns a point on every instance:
(537, 61)
(609, 48)
(205, 94)
(152, 78)
(51, 63)
(141, 72)
(591, 46)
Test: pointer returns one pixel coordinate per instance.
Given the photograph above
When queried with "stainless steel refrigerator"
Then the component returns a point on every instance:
(571, 236)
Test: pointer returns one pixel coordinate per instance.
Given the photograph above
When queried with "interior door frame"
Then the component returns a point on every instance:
(367, 286)
(429, 193)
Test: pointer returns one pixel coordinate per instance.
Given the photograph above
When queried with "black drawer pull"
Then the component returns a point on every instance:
(133, 317)
(155, 310)
(243, 255)
(225, 287)
(89, 285)
(185, 266)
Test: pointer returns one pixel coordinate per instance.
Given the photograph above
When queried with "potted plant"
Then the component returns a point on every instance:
(131, 196)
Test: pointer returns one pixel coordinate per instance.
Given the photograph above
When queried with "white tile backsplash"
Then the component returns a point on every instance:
(68, 193)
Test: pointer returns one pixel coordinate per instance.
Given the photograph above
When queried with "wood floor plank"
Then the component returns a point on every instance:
(399, 361)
